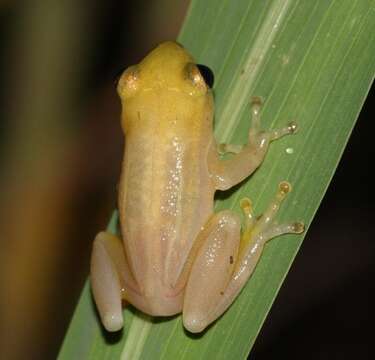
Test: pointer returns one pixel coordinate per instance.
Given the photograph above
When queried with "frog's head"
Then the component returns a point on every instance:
(166, 88)
(168, 67)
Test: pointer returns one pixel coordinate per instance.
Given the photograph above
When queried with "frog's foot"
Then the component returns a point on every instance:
(229, 172)
(257, 136)
(105, 280)
(257, 231)
(109, 275)
(226, 260)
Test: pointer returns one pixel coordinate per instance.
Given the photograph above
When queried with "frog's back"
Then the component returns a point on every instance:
(166, 197)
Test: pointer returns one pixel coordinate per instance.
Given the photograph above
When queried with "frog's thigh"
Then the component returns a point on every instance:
(107, 264)
(211, 270)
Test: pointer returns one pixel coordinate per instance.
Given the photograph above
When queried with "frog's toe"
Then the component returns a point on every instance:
(193, 324)
(113, 321)
(105, 281)
(265, 227)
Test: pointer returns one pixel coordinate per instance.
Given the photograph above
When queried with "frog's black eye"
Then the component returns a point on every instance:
(207, 74)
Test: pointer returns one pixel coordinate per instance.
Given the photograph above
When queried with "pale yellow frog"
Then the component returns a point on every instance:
(176, 255)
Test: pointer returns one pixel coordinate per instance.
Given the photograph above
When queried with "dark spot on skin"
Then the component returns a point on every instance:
(221, 292)
(242, 71)
(231, 259)
(139, 115)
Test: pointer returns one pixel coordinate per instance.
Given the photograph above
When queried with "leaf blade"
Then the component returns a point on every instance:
(310, 71)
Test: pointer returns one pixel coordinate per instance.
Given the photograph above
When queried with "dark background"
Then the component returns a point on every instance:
(60, 167)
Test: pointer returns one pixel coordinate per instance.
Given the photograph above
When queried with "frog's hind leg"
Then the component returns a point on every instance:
(211, 265)
(227, 259)
(109, 273)
(246, 158)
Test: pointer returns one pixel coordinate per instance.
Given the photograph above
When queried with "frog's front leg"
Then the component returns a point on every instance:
(226, 258)
(227, 173)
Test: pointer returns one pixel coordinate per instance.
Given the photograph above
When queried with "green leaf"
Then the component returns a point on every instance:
(312, 62)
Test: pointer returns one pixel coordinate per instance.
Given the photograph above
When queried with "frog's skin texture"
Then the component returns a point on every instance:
(176, 255)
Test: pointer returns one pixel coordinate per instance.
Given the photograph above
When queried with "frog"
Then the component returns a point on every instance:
(175, 254)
